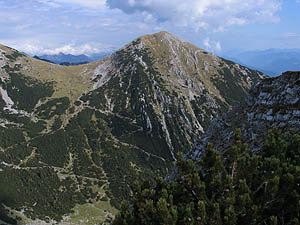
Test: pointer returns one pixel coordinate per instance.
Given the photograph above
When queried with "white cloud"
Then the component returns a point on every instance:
(72, 49)
(218, 47)
(86, 3)
(7, 17)
(206, 43)
(56, 23)
(34, 47)
(291, 34)
(214, 46)
(49, 3)
(212, 15)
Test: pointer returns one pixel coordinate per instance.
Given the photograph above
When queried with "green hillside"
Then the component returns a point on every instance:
(74, 139)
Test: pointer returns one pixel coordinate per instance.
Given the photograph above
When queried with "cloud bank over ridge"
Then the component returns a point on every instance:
(214, 15)
(83, 26)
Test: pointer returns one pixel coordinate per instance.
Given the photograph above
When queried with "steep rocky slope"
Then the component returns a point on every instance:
(75, 138)
(272, 103)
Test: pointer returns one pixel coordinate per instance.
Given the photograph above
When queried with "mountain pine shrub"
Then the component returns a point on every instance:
(236, 187)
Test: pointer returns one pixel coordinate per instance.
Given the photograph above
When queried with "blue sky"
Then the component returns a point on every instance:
(93, 26)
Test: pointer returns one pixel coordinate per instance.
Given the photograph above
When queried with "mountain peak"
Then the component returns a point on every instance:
(162, 35)
(163, 38)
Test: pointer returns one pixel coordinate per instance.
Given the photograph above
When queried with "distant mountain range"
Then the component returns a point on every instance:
(69, 59)
(272, 62)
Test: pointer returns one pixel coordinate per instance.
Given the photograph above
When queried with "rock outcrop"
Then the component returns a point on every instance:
(272, 103)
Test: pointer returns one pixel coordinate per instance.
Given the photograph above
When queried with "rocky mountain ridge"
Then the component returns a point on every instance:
(272, 103)
(75, 138)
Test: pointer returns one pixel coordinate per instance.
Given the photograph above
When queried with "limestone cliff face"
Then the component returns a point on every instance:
(273, 102)
(79, 136)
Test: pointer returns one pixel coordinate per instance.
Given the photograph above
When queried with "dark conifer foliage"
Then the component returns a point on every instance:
(237, 187)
